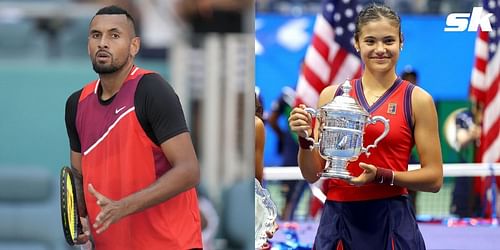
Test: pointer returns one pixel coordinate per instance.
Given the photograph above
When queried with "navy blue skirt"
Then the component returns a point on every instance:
(383, 224)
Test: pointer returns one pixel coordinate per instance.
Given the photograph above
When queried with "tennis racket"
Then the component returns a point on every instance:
(71, 223)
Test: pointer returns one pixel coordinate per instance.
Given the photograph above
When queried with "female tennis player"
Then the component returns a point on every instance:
(372, 211)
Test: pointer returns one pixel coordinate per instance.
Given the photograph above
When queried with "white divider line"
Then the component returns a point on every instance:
(449, 170)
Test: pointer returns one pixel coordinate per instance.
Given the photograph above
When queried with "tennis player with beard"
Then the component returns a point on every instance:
(131, 151)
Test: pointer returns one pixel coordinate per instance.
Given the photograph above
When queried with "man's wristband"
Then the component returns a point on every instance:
(384, 176)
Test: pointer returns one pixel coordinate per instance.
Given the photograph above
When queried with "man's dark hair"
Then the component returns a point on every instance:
(115, 10)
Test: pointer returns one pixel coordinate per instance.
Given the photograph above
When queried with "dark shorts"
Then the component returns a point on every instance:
(384, 224)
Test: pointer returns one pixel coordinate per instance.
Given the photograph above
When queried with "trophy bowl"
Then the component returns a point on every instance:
(341, 127)
(265, 215)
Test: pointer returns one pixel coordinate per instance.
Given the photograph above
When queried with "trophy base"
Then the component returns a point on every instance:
(336, 175)
(335, 169)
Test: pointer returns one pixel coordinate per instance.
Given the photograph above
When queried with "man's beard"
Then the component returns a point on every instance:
(106, 69)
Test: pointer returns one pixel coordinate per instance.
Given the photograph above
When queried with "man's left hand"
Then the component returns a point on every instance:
(111, 211)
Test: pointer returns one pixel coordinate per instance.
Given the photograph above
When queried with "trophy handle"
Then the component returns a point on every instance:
(311, 111)
(314, 114)
(373, 120)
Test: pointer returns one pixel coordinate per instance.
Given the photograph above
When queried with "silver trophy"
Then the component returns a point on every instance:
(265, 215)
(341, 128)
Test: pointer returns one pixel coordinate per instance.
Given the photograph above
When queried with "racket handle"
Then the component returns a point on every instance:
(86, 246)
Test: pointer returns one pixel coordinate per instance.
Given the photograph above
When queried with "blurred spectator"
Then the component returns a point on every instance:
(410, 75)
(219, 16)
(157, 24)
(128, 5)
(407, 6)
(264, 5)
(160, 27)
(52, 27)
(209, 220)
(261, 113)
(465, 201)
(447, 6)
(287, 144)
(260, 139)
(288, 148)
(468, 133)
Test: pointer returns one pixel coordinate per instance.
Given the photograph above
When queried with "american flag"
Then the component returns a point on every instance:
(330, 57)
(485, 82)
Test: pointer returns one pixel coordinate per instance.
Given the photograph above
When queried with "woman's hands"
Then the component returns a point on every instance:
(300, 121)
(368, 175)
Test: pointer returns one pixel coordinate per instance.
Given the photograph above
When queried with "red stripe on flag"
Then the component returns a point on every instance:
(298, 101)
(336, 63)
(312, 78)
(492, 91)
(321, 46)
(483, 35)
(479, 95)
(358, 73)
(490, 136)
(481, 64)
